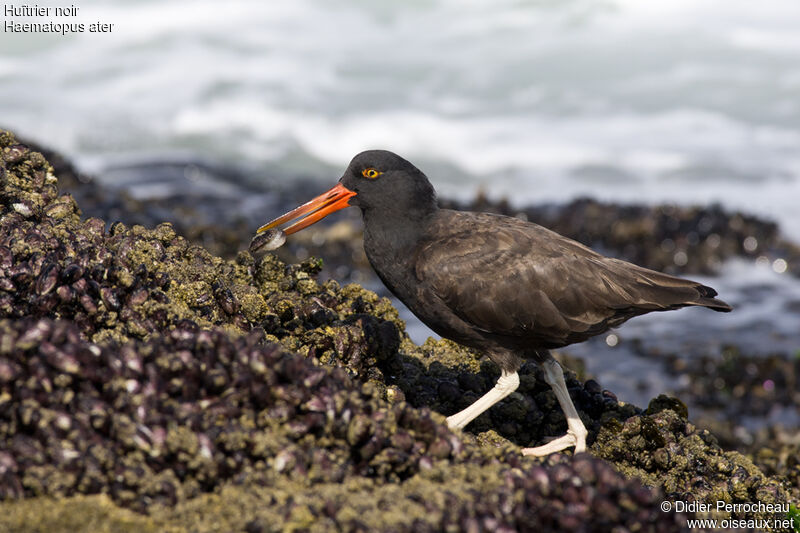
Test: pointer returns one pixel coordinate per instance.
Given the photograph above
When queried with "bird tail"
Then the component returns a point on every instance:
(659, 291)
(707, 300)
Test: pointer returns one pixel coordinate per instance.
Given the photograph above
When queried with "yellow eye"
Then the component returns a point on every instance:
(370, 173)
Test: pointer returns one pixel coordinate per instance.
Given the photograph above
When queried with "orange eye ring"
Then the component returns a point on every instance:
(370, 173)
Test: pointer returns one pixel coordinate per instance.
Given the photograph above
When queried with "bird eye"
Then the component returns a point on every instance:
(370, 173)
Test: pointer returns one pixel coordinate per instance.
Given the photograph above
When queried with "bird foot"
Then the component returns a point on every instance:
(577, 439)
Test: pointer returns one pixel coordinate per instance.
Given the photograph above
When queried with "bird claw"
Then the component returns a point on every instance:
(556, 445)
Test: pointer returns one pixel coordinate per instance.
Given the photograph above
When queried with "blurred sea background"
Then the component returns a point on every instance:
(692, 102)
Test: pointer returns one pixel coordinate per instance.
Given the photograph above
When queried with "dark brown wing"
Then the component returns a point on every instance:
(514, 278)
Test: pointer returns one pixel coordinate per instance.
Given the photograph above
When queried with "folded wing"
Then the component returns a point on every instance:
(513, 278)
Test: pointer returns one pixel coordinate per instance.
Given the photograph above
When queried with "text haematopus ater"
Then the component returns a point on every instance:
(507, 287)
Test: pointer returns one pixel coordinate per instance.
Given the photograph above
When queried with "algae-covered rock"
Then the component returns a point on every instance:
(162, 420)
(155, 424)
(122, 283)
(778, 456)
(584, 494)
(228, 395)
(664, 450)
(98, 514)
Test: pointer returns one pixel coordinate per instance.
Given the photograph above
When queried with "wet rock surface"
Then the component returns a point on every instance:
(147, 383)
(738, 384)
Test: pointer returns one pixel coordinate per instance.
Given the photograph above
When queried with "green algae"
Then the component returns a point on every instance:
(357, 504)
(96, 513)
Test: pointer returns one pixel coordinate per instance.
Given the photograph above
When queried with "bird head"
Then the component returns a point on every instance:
(377, 181)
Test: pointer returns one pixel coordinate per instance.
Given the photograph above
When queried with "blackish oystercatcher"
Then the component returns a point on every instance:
(509, 288)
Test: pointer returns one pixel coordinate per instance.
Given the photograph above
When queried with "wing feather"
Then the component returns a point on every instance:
(513, 278)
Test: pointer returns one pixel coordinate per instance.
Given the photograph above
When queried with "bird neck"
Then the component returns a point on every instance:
(397, 230)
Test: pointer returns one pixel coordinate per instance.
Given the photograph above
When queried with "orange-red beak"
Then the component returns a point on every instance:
(314, 211)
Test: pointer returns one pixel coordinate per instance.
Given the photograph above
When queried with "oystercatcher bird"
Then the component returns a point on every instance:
(510, 288)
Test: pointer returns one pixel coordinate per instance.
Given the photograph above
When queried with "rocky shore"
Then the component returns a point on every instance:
(150, 384)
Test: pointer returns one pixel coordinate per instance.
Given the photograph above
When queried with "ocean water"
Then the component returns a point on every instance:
(536, 100)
